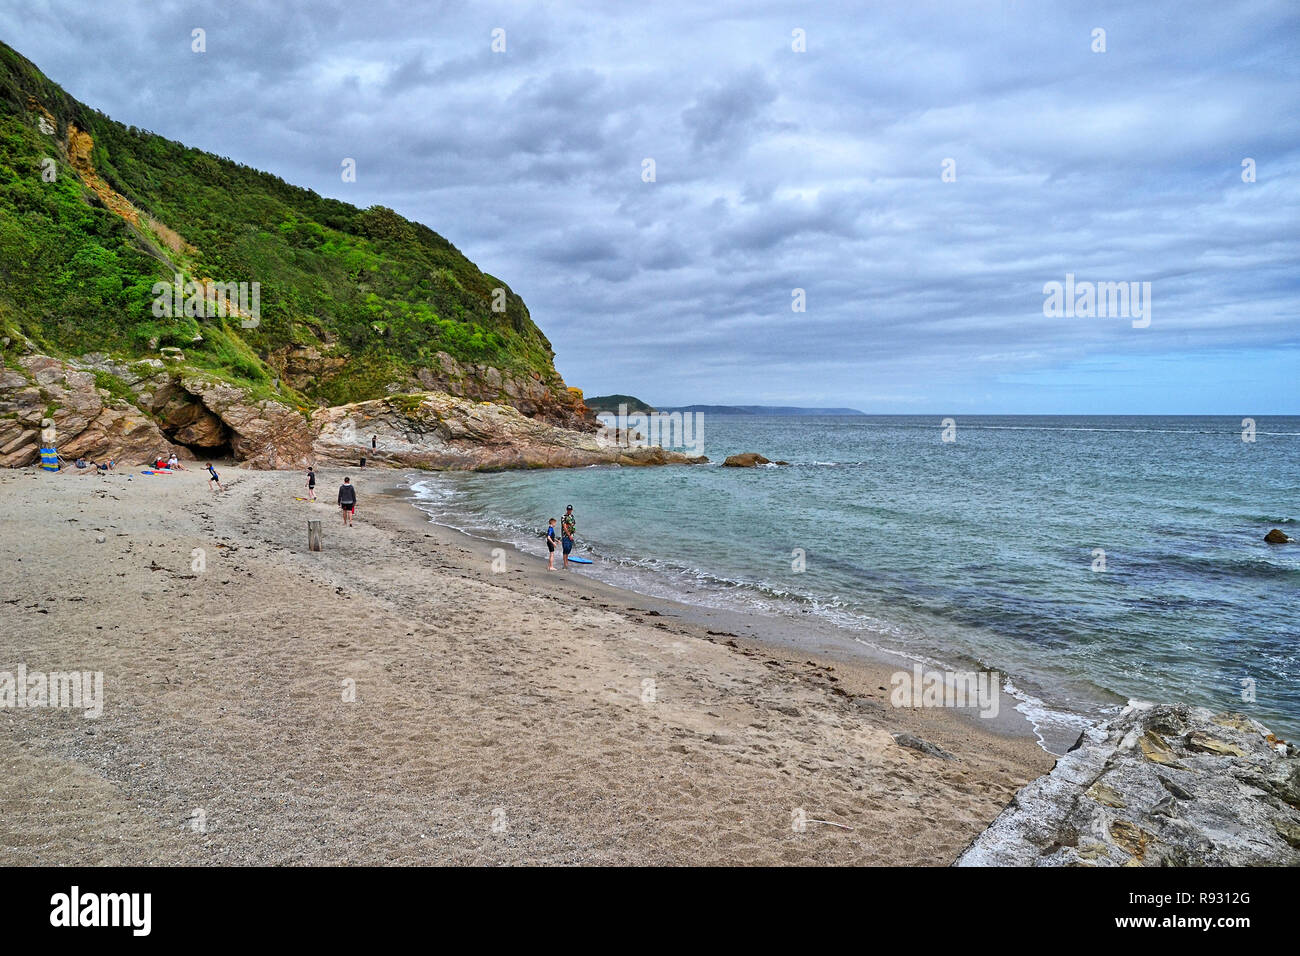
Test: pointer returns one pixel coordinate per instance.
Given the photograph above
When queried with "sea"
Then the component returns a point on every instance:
(1089, 560)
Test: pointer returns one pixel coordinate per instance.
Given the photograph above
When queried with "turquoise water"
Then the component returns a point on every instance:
(977, 551)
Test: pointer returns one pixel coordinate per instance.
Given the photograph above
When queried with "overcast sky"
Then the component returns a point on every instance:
(778, 170)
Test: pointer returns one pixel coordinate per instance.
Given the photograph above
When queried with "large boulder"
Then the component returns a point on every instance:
(1170, 785)
(1276, 537)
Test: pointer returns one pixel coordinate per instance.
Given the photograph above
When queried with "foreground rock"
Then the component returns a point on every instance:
(439, 431)
(1276, 537)
(1158, 786)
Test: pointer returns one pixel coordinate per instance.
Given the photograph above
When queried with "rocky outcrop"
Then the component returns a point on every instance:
(747, 460)
(303, 366)
(263, 434)
(439, 431)
(1276, 537)
(134, 411)
(535, 398)
(85, 420)
(151, 409)
(1171, 785)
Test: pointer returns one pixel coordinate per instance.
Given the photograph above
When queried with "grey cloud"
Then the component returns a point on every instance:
(776, 170)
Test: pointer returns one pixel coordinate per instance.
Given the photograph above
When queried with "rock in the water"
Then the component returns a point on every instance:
(1171, 785)
(924, 746)
(1276, 537)
(747, 460)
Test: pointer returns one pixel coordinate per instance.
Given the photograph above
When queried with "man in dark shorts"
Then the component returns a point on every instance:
(568, 528)
(347, 500)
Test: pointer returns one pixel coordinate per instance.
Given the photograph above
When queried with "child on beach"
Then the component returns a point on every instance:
(347, 500)
(550, 546)
(311, 484)
(214, 478)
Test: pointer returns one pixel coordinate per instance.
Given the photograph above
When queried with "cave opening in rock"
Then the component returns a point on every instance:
(206, 451)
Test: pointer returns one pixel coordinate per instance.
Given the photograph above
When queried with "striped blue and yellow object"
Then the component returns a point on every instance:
(49, 459)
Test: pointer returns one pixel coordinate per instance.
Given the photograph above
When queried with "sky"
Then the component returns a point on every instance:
(922, 172)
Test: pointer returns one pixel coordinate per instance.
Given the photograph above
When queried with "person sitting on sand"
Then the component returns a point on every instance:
(347, 500)
(311, 484)
(550, 546)
(568, 529)
(214, 478)
(174, 463)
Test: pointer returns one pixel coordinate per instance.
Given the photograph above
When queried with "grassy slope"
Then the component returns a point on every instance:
(610, 403)
(75, 277)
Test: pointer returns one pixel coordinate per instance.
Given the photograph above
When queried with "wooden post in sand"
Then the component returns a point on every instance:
(313, 535)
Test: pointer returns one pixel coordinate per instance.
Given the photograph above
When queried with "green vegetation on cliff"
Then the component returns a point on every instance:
(610, 403)
(94, 213)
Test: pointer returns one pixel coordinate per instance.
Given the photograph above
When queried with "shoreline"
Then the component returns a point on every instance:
(1055, 734)
(498, 717)
(814, 637)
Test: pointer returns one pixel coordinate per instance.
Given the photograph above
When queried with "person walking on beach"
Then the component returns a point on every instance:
(374, 444)
(214, 478)
(550, 546)
(311, 484)
(347, 500)
(568, 530)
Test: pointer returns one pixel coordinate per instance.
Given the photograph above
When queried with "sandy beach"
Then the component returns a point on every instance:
(500, 717)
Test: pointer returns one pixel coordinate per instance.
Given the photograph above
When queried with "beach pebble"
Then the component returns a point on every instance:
(100, 539)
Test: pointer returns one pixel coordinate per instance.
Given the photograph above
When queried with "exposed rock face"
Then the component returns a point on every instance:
(304, 366)
(176, 409)
(87, 420)
(1276, 537)
(747, 460)
(1159, 786)
(551, 402)
(173, 410)
(439, 431)
(264, 434)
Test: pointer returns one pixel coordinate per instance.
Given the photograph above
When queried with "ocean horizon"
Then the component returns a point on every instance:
(1089, 560)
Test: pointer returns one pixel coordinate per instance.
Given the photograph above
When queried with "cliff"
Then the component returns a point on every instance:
(122, 243)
